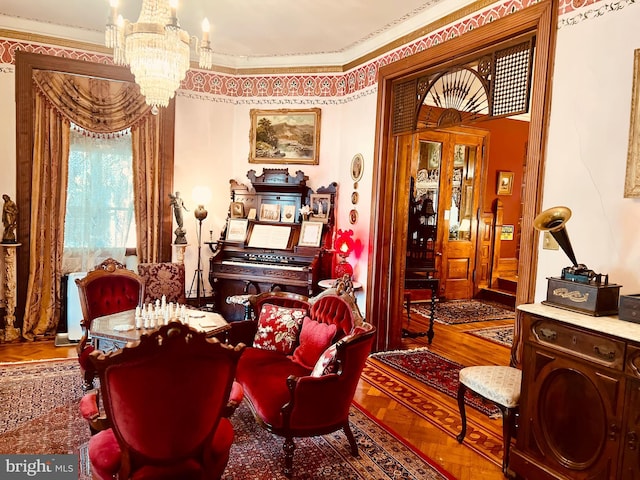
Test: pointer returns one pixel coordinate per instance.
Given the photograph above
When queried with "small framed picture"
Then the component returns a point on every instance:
(310, 234)
(252, 214)
(357, 167)
(320, 206)
(353, 216)
(237, 210)
(269, 212)
(288, 214)
(505, 183)
(237, 230)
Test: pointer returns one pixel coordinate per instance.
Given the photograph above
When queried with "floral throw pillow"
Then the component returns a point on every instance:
(278, 328)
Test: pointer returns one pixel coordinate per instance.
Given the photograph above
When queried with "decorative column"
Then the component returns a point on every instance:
(11, 333)
(180, 249)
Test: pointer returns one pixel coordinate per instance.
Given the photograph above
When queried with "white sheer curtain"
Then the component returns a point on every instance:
(99, 220)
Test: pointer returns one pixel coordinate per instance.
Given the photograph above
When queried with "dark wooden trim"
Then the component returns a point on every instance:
(388, 224)
(26, 63)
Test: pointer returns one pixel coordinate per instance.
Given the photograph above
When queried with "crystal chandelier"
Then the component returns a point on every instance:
(155, 48)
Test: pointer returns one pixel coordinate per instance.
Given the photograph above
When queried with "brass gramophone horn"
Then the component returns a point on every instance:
(553, 220)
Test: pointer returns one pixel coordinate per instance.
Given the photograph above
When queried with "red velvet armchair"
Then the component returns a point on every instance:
(294, 394)
(109, 288)
(166, 399)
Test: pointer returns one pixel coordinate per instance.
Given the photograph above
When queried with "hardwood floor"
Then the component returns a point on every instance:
(450, 341)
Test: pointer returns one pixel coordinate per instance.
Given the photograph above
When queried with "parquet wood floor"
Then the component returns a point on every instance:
(436, 439)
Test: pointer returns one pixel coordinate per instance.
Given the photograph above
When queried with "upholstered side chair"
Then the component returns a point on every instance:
(501, 386)
(165, 402)
(107, 289)
(163, 278)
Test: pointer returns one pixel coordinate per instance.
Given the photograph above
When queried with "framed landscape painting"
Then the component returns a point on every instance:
(285, 136)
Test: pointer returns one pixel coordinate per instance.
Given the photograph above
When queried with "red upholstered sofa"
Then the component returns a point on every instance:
(301, 382)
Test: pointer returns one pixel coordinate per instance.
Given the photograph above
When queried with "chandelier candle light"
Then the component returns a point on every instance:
(155, 48)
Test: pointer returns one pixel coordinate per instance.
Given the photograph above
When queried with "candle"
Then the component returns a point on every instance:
(174, 8)
(205, 30)
(114, 10)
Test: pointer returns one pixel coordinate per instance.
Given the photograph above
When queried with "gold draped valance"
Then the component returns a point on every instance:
(94, 104)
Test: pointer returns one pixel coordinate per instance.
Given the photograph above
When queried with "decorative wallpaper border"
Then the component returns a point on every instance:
(591, 13)
(318, 88)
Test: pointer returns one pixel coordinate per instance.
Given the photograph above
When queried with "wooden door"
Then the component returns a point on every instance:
(455, 160)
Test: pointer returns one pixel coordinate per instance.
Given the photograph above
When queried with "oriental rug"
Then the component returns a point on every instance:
(435, 371)
(501, 335)
(35, 423)
(454, 312)
(409, 389)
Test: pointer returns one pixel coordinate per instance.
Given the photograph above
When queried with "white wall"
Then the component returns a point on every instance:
(587, 148)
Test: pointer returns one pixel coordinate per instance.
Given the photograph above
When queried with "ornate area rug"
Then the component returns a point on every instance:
(427, 402)
(500, 335)
(40, 415)
(435, 371)
(465, 311)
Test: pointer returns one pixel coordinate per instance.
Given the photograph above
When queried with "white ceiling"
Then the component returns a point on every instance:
(249, 33)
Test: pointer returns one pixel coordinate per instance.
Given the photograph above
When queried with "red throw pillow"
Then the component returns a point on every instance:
(278, 328)
(327, 362)
(315, 337)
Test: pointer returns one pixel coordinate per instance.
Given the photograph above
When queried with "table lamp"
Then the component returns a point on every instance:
(343, 245)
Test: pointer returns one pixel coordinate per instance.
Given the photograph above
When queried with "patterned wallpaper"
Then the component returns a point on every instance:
(319, 88)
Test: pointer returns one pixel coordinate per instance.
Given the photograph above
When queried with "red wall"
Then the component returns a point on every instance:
(506, 151)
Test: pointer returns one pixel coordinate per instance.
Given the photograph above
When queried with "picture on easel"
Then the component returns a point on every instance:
(320, 207)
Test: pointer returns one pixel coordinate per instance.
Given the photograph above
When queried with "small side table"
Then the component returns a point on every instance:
(328, 283)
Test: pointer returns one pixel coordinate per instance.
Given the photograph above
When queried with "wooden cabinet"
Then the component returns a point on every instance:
(580, 402)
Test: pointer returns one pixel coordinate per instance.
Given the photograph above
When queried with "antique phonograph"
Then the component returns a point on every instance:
(578, 288)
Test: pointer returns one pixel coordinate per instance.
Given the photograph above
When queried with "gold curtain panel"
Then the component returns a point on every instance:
(97, 105)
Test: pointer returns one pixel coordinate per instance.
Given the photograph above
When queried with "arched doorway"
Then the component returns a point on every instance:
(391, 175)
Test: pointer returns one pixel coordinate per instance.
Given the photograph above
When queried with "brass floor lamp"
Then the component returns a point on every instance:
(200, 214)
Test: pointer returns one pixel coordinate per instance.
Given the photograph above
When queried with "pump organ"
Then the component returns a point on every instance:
(250, 266)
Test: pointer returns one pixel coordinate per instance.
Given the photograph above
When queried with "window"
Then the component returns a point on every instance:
(99, 219)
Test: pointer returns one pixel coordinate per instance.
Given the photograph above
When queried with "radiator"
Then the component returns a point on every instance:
(71, 308)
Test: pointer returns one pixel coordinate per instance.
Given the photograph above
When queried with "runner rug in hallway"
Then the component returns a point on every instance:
(465, 311)
(435, 371)
(40, 416)
(499, 335)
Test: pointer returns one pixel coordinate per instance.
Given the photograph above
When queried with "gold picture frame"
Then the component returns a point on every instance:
(285, 136)
(237, 210)
(357, 167)
(505, 183)
(632, 174)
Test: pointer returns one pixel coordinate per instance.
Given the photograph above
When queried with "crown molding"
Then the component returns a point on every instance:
(273, 70)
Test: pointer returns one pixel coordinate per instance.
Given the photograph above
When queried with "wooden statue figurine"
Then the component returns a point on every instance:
(9, 219)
